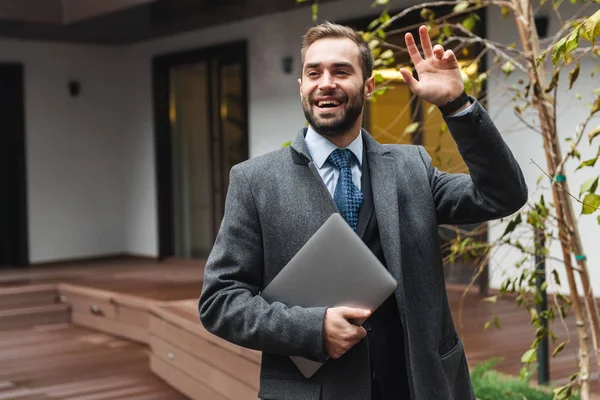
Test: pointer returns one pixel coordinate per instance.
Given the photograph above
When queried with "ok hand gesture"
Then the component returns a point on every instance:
(439, 75)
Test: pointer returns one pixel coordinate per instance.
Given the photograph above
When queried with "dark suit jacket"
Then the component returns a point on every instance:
(275, 203)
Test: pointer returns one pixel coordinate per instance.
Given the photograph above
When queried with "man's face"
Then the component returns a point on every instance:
(332, 87)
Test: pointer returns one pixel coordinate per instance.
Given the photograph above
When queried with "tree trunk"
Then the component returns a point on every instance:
(569, 238)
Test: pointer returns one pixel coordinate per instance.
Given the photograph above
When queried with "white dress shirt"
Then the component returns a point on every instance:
(320, 148)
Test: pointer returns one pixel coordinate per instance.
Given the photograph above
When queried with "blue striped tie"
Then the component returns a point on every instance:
(347, 196)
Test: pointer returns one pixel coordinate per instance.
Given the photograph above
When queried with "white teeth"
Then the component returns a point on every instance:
(332, 103)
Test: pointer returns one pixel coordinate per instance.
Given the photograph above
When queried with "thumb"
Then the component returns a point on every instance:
(409, 79)
(354, 313)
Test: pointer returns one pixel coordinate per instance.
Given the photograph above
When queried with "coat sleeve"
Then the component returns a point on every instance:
(230, 305)
(494, 187)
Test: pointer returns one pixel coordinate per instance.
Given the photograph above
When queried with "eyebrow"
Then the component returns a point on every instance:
(341, 64)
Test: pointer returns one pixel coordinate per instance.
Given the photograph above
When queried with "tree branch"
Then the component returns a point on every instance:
(563, 189)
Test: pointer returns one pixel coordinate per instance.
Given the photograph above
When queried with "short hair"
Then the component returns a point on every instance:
(330, 30)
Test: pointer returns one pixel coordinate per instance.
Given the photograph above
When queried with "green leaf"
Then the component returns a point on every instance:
(555, 276)
(460, 6)
(534, 219)
(573, 76)
(412, 128)
(481, 79)
(379, 3)
(554, 81)
(373, 24)
(486, 325)
(496, 322)
(470, 22)
(427, 14)
(505, 11)
(558, 349)
(559, 50)
(598, 219)
(387, 54)
(591, 27)
(508, 68)
(587, 163)
(491, 299)
(589, 186)
(596, 106)
(595, 132)
(529, 356)
(315, 11)
(512, 225)
(540, 58)
(286, 144)
(572, 41)
(384, 18)
(591, 202)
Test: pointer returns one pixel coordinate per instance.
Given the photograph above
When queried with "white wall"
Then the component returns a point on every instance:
(74, 149)
(527, 146)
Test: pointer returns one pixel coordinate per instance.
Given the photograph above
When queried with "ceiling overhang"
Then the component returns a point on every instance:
(62, 12)
(119, 22)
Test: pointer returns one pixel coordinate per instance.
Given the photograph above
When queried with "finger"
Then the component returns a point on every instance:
(361, 333)
(449, 56)
(352, 313)
(438, 51)
(409, 79)
(425, 42)
(413, 51)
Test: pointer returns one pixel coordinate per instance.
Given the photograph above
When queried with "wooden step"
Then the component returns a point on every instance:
(196, 363)
(20, 318)
(119, 314)
(27, 296)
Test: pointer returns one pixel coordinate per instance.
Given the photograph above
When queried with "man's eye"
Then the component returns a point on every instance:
(313, 73)
(342, 73)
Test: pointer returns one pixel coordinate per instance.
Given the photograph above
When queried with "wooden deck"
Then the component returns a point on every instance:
(66, 362)
(48, 358)
(144, 278)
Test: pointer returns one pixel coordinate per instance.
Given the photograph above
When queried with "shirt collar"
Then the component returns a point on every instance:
(320, 147)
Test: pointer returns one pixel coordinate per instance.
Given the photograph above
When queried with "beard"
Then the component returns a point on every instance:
(337, 122)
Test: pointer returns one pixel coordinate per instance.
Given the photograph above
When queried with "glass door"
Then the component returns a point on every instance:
(201, 134)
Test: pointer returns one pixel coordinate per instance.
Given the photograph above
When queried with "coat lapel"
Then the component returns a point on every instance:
(384, 183)
(301, 156)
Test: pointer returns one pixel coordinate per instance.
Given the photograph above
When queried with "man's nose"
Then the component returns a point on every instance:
(327, 81)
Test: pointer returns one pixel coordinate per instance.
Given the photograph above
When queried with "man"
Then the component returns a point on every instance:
(394, 199)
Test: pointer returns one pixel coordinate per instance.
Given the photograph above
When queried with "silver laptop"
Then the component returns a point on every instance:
(334, 268)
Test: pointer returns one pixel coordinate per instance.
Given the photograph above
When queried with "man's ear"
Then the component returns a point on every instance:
(300, 84)
(369, 88)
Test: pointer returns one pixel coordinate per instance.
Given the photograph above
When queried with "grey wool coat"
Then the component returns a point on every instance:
(274, 204)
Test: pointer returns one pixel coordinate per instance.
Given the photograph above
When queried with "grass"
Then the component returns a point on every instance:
(492, 385)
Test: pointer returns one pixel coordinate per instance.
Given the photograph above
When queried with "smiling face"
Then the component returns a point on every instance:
(332, 86)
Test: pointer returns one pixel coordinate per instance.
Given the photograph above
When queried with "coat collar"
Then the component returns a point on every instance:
(302, 156)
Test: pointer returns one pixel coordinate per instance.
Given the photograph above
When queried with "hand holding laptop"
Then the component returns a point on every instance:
(339, 333)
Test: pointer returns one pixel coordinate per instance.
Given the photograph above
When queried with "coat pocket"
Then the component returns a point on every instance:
(275, 388)
(454, 364)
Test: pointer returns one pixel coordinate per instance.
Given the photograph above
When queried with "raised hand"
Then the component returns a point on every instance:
(439, 75)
